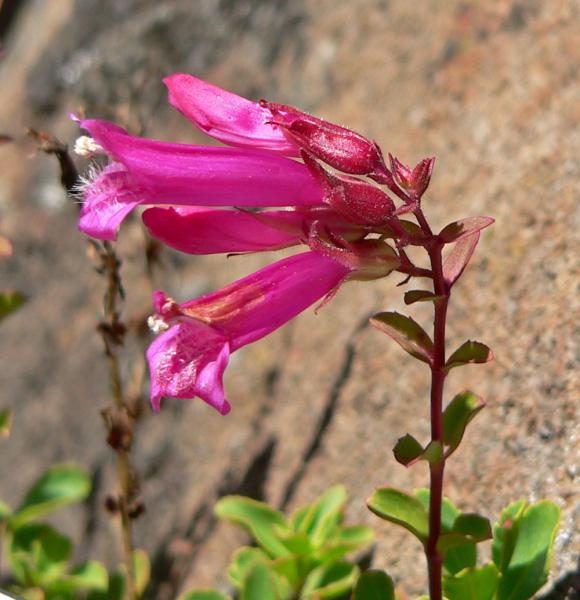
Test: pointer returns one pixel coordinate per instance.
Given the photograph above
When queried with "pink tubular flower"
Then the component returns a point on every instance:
(152, 172)
(269, 191)
(189, 358)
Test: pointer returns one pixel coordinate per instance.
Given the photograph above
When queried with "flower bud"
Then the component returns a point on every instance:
(413, 181)
(337, 146)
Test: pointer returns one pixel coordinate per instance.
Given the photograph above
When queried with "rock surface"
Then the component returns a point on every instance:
(491, 89)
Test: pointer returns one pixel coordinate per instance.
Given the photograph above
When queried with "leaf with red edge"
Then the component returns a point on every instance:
(408, 451)
(469, 352)
(407, 333)
(459, 257)
(413, 296)
(464, 227)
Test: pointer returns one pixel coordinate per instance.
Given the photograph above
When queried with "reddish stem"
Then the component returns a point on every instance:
(441, 288)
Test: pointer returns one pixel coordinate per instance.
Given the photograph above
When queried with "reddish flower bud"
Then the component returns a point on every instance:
(337, 146)
(414, 181)
(355, 199)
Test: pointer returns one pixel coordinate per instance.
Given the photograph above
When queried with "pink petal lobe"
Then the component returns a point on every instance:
(189, 360)
(207, 176)
(225, 116)
(107, 200)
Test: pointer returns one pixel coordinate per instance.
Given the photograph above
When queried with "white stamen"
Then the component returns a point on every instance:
(86, 146)
(157, 324)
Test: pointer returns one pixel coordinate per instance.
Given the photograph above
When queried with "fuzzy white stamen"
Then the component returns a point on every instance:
(86, 146)
(157, 324)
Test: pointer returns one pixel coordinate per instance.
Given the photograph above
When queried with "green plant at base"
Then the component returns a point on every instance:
(300, 557)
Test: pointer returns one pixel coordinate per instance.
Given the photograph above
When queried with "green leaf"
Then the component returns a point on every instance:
(472, 584)
(505, 534)
(473, 525)
(59, 486)
(10, 301)
(464, 227)
(38, 554)
(142, 569)
(460, 555)
(332, 580)
(456, 416)
(344, 541)
(203, 595)
(413, 296)
(324, 515)
(374, 585)
(5, 512)
(398, 507)
(91, 575)
(5, 422)
(259, 584)
(531, 552)
(407, 333)
(296, 543)
(257, 518)
(241, 561)
(469, 352)
(408, 451)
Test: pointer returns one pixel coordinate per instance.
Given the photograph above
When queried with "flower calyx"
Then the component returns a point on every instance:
(414, 181)
(337, 146)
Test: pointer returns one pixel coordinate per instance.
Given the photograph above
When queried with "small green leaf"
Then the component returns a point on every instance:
(505, 534)
(344, 541)
(91, 575)
(529, 560)
(468, 353)
(332, 580)
(374, 585)
(473, 525)
(413, 296)
(456, 416)
(464, 227)
(400, 508)
(5, 512)
(297, 543)
(259, 584)
(407, 333)
(408, 451)
(412, 228)
(257, 518)
(460, 557)
(6, 417)
(10, 301)
(472, 584)
(241, 560)
(324, 515)
(38, 554)
(59, 486)
(142, 569)
(203, 595)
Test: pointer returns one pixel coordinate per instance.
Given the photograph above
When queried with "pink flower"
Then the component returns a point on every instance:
(343, 221)
(189, 358)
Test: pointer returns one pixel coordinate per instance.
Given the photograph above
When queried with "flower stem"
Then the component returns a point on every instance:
(441, 289)
(434, 558)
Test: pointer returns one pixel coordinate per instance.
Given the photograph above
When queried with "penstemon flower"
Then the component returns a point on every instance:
(283, 197)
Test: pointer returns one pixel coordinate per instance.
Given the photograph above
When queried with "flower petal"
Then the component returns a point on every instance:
(207, 176)
(189, 360)
(211, 231)
(225, 116)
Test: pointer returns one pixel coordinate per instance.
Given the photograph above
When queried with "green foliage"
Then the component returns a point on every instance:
(413, 296)
(10, 300)
(522, 547)
(5, 422)
(456, 416)
(38, 555)
(300, 557)
(402, 509)
(476, 583)
(469, 352)
(203, 595)
(374, 585)
(407, 333)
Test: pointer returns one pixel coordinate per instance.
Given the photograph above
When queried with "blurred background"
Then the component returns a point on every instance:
(490, 88)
